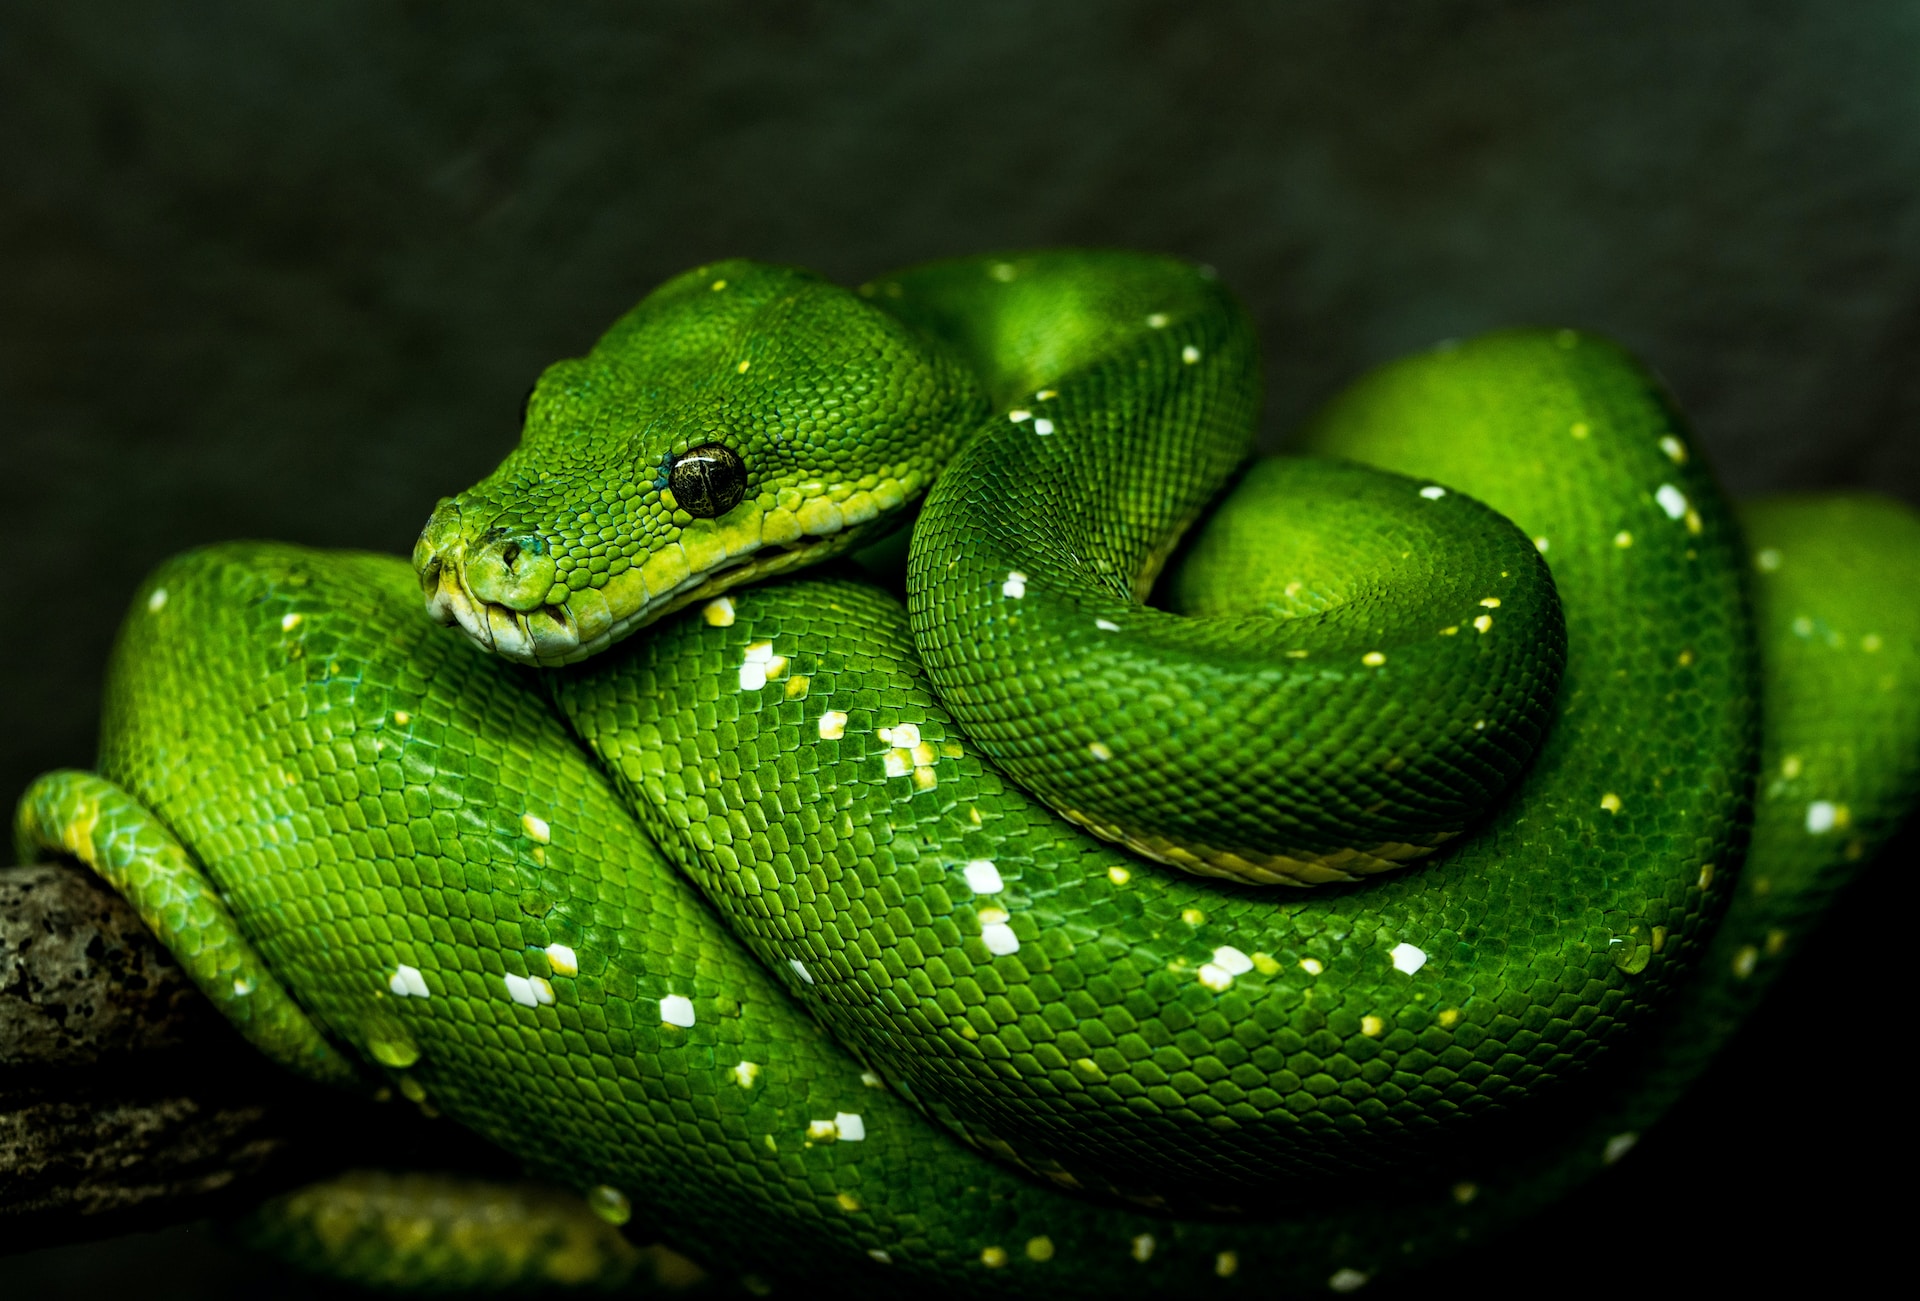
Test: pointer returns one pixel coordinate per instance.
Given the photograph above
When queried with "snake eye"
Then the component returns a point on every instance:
(709, 480)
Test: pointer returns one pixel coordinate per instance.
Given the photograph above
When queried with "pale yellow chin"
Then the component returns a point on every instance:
(709, 557)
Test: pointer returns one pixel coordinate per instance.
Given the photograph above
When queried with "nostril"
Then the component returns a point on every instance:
(515, 572)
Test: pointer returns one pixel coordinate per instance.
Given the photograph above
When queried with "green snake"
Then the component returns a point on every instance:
(965, 941)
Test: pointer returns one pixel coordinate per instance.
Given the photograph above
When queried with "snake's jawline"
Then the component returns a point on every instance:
(1300, 869)
(767, 562)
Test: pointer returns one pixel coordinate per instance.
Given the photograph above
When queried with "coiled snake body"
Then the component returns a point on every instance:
(785, 926)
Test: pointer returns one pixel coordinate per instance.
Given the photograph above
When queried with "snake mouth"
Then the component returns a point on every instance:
(590, 620)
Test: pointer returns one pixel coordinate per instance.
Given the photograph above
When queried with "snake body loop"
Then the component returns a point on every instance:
(778, 929)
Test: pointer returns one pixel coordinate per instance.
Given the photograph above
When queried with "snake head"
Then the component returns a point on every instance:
(742, 421)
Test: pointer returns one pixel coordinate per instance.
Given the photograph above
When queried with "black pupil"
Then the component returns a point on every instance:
(708, 481)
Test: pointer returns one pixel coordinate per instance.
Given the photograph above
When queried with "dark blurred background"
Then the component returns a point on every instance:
(286, 270)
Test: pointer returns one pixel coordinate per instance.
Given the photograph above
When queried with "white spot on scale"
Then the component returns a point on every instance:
(1015, 585)
(1767, 561)
(1106, 625)
(1215, 977)
(800, 969)
(874, 1253)
(1348, 1280)
(158, 601)
(719, 612)
(999, 938)
(753, 669)
(1232, 960)
(677, 1009)
(1043, 427)
(536, 828)
(1822, 816)
(871, 1080)
(528, 991)
(1100, 750)
(406, 982)
(983, 877)
(904, 735)
(1433, 492)
(1189, 354)
(1540, 545)
(833, 725)
(1618, 1146)
(1157, 321)
(242, 986)
(1018, 416)
(745, 1073)
(1672, 501)
(1676, 451)
(288, 622)
(563, 960)
(1407, 958)
(848, 1127)
(1143, 1246)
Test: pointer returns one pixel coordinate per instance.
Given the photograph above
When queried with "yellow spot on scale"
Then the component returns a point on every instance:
(1745, 960)
(719, 613)
(1142, 1249)
(848, 1202)
(1312, 966)
(1119, 875)
(743, 367)
(1491, 602)
(1685, 659)
(1371, 1026)
(1871, 643)
(1776, 942)
(1047, 394)
(1189, 354)
(1706, 876)
(1264, 964)
(1790, 767)
(289, 622)
(1373, 659)
(1227, 1264)
(1464, 1192)
(1610, 802)
(1540, 545)
(1767, 560)
(924, 779)
(401, 718)
(797, 687)
(993, 1257)
(1192, 916)
(1040, 1248)
(1579, 429)
(562, 960)
(1449, 1018)
(1483, 623)
(718, 285)
(1100, 751)
(1450, 632)
(1694, 525)
(536, 828)
(833, 725)
(899, 762)
(745, 1073)
(1623, 539)
(1157, 321)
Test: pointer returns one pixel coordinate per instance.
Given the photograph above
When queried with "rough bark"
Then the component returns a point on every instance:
(125, 1101)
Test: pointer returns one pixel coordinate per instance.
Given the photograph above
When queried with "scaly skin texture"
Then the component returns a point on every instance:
(737, 927)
